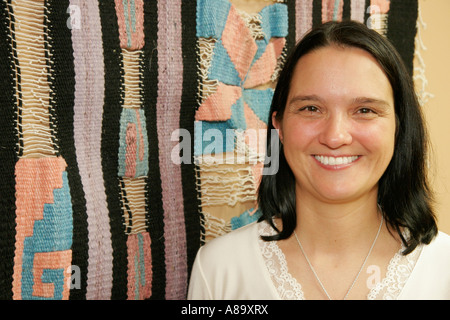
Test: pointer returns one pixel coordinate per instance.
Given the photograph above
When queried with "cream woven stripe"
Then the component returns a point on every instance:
(33, 89)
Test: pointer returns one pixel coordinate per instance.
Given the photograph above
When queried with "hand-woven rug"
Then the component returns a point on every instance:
(132, 132)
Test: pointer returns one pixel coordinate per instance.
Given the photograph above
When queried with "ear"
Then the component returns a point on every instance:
(277, 125)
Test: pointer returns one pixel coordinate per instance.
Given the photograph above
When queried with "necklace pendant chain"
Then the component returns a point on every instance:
(357, 275)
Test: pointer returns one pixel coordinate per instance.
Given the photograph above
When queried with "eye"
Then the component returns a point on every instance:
(311, 109)
(366, 113)
(366, 110)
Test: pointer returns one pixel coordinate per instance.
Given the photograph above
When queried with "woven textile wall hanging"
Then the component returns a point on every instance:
(132, 132)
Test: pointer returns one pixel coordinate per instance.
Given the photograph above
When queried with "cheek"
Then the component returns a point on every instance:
(298, 144)
(380, 140)
(296, 140)
(296, 133)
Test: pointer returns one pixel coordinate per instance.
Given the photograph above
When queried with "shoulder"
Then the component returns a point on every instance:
(237, 242)
(436, 254)
(440, 246)
(236, 252)
(444, 238)
(231, 267)
(430, 278)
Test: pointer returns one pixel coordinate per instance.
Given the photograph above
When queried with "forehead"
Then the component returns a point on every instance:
(338, 72)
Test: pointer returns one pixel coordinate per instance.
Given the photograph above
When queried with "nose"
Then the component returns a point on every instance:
(335, 132)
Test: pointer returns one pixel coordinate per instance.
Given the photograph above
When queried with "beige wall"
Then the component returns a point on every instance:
(437, 109)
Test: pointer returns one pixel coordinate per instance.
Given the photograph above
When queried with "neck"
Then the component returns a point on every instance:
(330, 227)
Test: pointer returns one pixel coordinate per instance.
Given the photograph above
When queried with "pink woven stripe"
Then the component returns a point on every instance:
(88, 111)
(139, 266)
(132, 15)
(380, 6)
(303, 14)
(43, 261)
(130, 156)
(332, 10)
(357, 10)
(170, 86)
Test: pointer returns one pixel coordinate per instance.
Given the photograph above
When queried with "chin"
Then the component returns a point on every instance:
(343, 195)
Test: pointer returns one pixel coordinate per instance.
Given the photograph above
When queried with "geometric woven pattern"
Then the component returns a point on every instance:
(242, 54)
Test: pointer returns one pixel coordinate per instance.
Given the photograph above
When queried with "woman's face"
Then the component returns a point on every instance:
(338, 128)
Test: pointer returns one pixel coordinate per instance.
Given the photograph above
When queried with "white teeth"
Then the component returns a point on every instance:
(335, 161)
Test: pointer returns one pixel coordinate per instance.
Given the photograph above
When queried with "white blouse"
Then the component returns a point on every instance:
(241, 266)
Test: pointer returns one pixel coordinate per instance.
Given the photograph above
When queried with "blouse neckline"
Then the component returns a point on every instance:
(390, 287)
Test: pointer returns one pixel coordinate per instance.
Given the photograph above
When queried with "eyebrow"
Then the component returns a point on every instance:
(357, 100)
(312, 97)
(367, 100)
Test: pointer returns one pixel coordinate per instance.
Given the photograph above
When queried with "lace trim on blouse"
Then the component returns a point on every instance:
(398, 271)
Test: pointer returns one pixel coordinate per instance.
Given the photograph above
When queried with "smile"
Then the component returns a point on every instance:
(335, 161)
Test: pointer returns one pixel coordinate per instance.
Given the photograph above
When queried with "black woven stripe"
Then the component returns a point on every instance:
(291, 37)
(191, 202)
(16, 74)
(110, 144)
(317, 13)
(8, 157)
(62, 83)
(154, 189)
(402, 29)
(46, 35)
(366, 11)
(346, 11)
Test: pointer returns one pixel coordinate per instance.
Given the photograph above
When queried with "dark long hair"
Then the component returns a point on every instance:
(403, 193)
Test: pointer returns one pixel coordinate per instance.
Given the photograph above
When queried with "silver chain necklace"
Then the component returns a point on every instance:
(359, 272)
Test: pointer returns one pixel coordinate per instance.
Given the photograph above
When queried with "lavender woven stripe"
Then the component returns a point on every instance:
(303, 14)
(88, 110)
(357, 10)
(170, 81)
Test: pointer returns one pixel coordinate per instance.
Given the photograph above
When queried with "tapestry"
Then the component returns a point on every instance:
(133, 132)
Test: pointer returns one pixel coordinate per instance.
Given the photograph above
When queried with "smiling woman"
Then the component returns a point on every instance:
(336, 127)
(351, 194)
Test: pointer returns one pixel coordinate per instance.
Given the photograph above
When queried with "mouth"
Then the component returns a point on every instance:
(335, 161)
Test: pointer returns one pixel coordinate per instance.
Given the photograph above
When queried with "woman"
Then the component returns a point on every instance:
(349, 213)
